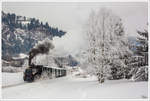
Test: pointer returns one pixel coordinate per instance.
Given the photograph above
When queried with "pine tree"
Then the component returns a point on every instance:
(140, 70)
(46, 25)
(142, 48)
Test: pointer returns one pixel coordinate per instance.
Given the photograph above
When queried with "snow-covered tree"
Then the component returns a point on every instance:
(108, 46)
(140, 70)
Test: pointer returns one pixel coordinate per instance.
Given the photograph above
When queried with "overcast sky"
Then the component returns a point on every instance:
(72, 16)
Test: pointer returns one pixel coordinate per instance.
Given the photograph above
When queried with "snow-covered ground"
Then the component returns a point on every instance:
(9, 79)
(71, 87)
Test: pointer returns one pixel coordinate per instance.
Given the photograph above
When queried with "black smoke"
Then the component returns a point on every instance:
(42, 48)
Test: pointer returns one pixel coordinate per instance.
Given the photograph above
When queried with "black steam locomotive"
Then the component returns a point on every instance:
(35, 71)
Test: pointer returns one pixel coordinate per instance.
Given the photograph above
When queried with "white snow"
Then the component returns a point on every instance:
(25, 22)
(18, 34)
(20, 31)
(8, 36)
(12, 78)
(72, 87)
(22, 41)
(22, 55)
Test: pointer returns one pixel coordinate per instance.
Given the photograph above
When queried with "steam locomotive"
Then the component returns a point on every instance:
(35, 71)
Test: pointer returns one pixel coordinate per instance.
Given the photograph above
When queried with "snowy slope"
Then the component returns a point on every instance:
(74, 88)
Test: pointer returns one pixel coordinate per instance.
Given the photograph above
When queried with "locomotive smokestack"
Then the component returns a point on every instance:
(42, 48)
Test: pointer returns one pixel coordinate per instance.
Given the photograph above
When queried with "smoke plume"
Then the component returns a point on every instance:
(42, 48)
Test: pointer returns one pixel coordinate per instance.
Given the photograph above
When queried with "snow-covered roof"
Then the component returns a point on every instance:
(21, 56)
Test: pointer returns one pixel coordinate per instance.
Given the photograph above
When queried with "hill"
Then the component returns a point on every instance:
(20, 34)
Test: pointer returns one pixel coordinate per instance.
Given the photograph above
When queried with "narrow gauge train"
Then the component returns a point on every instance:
(35, 72)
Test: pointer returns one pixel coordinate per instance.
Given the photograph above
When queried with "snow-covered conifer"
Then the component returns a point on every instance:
(140, 70)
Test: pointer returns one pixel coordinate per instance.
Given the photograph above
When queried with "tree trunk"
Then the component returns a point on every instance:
(101, 78)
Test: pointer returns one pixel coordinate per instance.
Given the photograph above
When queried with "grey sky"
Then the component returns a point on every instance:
(72, 16)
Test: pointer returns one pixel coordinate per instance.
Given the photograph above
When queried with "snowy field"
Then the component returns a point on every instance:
(71, 87)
